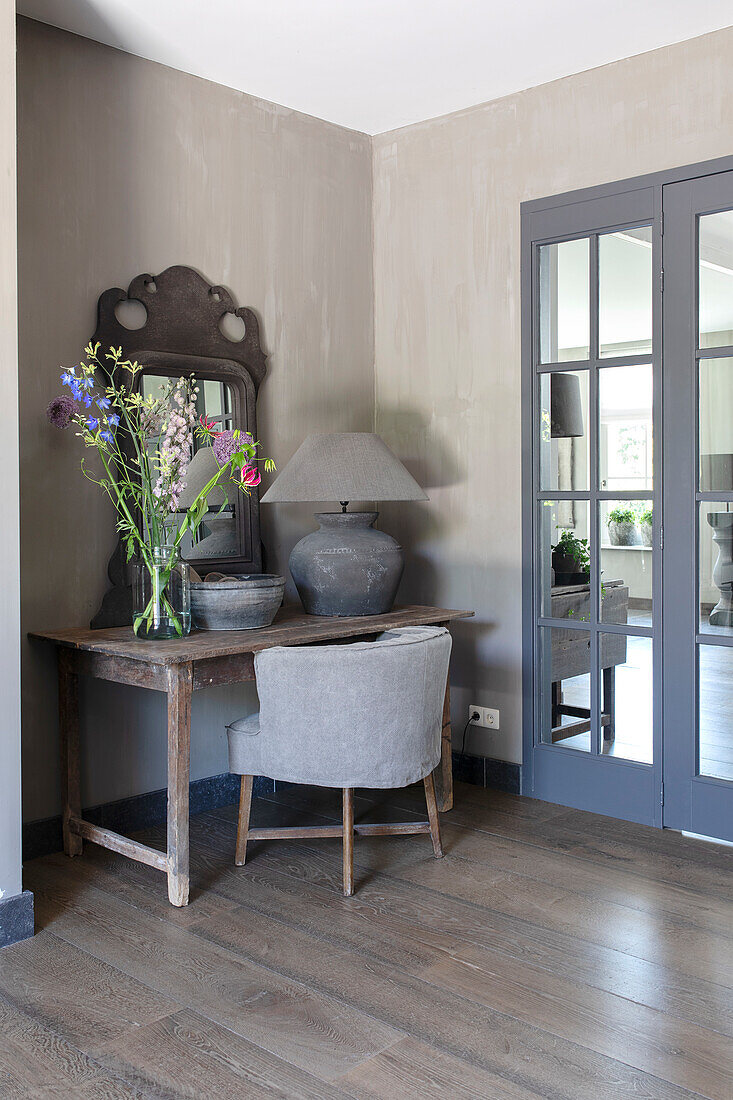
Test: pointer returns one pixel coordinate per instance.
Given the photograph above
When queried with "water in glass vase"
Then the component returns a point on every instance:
(161, 595)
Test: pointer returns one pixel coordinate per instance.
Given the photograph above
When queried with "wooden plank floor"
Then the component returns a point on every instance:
(551, 954)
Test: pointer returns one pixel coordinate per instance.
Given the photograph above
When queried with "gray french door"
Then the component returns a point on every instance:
(698, 505)
(628, 499)
(591, 519)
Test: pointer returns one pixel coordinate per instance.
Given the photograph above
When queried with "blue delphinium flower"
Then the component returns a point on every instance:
(87, 401)
(92, 423)
(103, 402)
(68, 378)
(106, 436)
(87, 383)
(114, 420)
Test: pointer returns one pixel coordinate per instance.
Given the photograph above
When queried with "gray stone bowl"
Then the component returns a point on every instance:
(237, 601)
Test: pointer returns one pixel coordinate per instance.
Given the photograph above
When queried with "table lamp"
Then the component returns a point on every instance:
(346, 567)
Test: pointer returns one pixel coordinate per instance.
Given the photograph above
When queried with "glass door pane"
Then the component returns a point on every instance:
(715, 274)
(564, 453)
(564, 551)
(715, 711)
(715, 567)
(627, 676)
(625, 277)
(564, 279)
(716, 424)
(566, 692)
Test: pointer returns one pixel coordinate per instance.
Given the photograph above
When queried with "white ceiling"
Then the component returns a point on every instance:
(374, 65)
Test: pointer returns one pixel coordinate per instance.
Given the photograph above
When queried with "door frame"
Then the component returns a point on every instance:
(695, 801)
(566, 215)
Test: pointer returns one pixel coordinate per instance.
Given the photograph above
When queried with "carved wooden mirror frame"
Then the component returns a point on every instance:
(182, 335)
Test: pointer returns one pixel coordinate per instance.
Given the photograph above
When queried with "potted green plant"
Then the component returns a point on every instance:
(571, 559)
(622, 529)
(646, 521)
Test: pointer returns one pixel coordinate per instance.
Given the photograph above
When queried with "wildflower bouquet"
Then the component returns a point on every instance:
(145, 446)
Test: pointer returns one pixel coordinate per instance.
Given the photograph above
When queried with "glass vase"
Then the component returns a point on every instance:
(161, 595)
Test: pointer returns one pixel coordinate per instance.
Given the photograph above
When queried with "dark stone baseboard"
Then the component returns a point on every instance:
(482, 771)
(16, 918)
(141, 811)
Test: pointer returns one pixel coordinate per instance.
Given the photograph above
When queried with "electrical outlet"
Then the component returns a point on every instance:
(487, 717)
(491, 718)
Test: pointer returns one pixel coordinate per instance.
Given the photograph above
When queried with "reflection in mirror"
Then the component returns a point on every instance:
(218, 537)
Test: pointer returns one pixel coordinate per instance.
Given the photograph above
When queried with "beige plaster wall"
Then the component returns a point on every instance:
(126, 166)
(9, 544)
(447, 195)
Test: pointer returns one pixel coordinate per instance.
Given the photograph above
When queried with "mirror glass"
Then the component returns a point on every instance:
(219, 534)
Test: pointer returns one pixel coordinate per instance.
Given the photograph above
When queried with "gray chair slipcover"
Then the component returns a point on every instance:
(364, 714)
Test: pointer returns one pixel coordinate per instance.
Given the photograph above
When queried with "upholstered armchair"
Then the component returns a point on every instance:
(363, 714)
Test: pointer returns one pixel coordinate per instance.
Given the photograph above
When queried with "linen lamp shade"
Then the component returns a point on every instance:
(344, 466)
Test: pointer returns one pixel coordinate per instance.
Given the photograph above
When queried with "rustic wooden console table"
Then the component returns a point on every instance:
(179, 667)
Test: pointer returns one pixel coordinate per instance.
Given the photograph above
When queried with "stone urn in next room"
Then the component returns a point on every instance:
(722, 525)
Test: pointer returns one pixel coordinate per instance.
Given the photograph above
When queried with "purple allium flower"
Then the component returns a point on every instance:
(224, 446)
(62, 410)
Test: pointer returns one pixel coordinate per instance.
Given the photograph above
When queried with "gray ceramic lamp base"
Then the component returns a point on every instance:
(347, 567)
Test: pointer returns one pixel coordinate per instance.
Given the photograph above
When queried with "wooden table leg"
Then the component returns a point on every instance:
(69, 737)
(443, 774)
(180, 688)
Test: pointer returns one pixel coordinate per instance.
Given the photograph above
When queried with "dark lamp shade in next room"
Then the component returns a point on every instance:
(566, 407)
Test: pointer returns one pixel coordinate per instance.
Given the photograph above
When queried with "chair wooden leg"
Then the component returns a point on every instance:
(433, 816)
(245, 805)
(348, 841)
